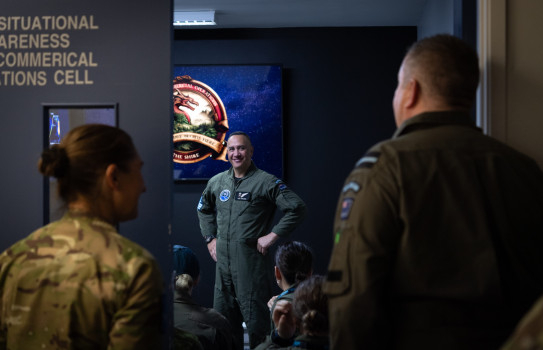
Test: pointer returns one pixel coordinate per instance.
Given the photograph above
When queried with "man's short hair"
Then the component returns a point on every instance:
(449, 68)
(241, 133)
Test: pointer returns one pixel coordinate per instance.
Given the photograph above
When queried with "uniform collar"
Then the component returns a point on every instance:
(312, 342)
(289, 290)
(252, 169)
(183, 299)
(433, 119)
(78, 215)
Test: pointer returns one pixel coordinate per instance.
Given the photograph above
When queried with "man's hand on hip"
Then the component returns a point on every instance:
(265, 242)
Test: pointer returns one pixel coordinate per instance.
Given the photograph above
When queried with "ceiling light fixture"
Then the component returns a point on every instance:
(194, 18)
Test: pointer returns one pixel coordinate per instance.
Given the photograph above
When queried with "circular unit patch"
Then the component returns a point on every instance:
(225, 195)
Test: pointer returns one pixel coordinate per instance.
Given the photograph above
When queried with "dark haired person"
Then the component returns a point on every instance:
(236, 211)
(212, 329)
(293, 264)
(76, 283)
(307, 312)
(438, 231)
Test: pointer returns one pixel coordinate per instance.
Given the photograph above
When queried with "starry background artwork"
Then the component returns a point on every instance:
(252, 97)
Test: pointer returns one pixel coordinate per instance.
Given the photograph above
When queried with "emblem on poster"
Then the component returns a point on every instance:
(199, 122)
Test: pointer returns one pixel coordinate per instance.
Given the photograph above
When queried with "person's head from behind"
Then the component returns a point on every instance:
(440, 72)
(186, 269)
(293, 263)
(240, 151)
(310, 306)
(98, 172)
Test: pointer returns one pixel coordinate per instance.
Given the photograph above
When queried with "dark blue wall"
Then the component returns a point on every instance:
(337, 99)
(132, 49)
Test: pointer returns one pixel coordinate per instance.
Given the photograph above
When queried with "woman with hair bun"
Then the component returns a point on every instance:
(308, 312)
(76, 283)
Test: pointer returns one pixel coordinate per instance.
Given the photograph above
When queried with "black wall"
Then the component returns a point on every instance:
(338, 85)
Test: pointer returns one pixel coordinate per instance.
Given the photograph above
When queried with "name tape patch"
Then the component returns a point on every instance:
(243, 196)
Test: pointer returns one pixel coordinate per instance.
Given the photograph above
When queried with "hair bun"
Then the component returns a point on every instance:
(314, 321)
(54, 162)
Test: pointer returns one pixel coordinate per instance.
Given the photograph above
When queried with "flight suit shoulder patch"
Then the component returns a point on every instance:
(351, 186)
(281, 184)
(346, 206)
(368, 160)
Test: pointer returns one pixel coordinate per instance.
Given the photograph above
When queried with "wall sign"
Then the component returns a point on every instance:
(42, 50)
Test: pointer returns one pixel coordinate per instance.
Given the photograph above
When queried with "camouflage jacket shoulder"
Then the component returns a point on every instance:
(77, 283)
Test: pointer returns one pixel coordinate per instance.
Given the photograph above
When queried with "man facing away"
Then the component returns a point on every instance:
(438, 231)
(235, 212)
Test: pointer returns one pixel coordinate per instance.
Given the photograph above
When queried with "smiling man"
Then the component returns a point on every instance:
(235, 212)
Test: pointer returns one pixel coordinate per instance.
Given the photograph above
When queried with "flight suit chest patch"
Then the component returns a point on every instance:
(225, 195)
(243, 196)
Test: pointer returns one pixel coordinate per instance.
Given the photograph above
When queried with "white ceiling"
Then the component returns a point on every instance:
(307, 13)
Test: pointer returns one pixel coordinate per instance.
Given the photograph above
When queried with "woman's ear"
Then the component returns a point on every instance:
(112, 176)
(278, 275)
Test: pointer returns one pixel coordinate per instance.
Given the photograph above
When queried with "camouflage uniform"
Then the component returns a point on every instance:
(238, 212)
(77, 284)
(438, 236)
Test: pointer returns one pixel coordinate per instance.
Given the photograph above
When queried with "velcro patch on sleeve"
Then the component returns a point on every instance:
(281, 184)
(346, 206)
(369, 160)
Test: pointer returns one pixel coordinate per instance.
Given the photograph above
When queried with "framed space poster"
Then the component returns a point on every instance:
(212, 101)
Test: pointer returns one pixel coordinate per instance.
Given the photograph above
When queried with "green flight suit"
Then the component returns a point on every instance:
(438, 236)
(77, 284)
(238, 212)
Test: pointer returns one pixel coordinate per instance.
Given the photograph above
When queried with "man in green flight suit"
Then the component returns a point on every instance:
(235, 212)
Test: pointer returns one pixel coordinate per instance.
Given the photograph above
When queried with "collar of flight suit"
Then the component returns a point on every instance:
(434, 119)
(252, 169)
